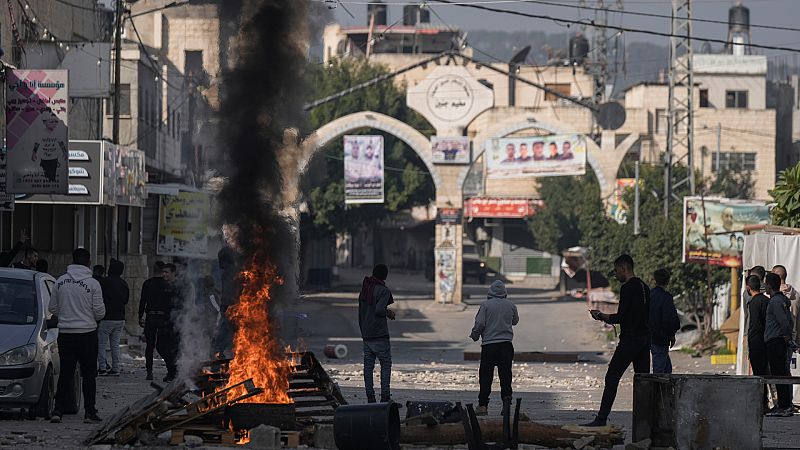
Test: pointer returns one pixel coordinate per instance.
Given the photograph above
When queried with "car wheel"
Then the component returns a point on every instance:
(47, 397)
(73, 400)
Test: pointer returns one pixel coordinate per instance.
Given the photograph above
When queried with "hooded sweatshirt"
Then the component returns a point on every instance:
(496, 317)
(77, 301)
(115, 291)
(794, 302)
(779, 318)
(372, 303)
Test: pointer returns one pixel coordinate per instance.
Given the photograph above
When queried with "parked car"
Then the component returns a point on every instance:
(473, 266)
(29, 363)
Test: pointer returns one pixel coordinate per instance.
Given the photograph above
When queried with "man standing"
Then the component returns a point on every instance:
(494, 324)
(757, 315)
(664, 322)
(77, 301)
(115, 297)
(634, 338)
(7, 257)
(794, 302)
(777, 335)
(28, 261)
(373, 302)
(168, 337)
(153, 303)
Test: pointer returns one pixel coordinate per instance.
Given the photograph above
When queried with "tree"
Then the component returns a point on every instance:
(407, 182)
(786, 195)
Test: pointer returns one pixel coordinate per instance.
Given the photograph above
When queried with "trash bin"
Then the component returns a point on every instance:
(373, 426)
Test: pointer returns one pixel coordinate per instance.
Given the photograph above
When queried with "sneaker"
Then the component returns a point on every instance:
(55, 417)
(149, 376)
(102, 372)
(169, 377)
(482, 411)
(597, 422)
(779, 412)
(112, 373)
(787, 412)
(371, 399)
(385, 399)
(92, 417)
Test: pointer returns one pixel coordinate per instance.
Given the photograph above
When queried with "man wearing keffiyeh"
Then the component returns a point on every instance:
(373, 302)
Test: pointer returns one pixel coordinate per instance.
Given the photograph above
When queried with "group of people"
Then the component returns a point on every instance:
(537, 152)
(30, 257)
(773, 307)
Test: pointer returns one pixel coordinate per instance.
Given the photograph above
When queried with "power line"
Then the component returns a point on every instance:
(167, 6)
(147, 54)
(81, 7)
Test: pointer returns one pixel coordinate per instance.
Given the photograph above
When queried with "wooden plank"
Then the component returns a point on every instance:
(177, 437)
(290, 439)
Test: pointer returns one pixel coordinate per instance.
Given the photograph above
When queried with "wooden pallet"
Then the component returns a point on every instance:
(312, 390)
(290, 439)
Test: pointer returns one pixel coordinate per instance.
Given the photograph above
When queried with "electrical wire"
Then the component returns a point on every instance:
(81, 7)
(147, 54)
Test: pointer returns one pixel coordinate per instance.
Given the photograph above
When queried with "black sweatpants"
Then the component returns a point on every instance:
(777, 350)
(632, 350)
(74, 349)
(759, 365)
(499, 355)
(160, 334)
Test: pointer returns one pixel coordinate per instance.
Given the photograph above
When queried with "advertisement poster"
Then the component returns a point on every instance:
(363, 169)
(450, 150)
(536, 156)
(502, 208)
(446, 273)
(90, 177)
(449, 216)
(617, 207)
(713, 230)
(183, 225)
(36, 133)
(6, 200)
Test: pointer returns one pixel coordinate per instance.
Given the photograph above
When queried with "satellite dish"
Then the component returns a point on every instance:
(610, 115)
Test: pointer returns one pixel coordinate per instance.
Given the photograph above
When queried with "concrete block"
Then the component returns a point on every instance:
(265, 437)
(323, 436)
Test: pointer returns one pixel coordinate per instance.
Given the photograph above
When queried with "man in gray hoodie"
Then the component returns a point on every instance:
(77, 301)
(494, 324)
(373, 302)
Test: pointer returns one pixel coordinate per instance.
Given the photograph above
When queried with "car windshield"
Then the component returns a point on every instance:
(17, 302)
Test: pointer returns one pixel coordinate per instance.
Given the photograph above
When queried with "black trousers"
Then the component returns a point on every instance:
(499, 355)
(74, 349)
(759, 364)
(632, 350)
(160, 334)
(777, 351)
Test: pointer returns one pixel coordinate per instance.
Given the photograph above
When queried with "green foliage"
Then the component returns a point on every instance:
(786, 195)
(407, 182)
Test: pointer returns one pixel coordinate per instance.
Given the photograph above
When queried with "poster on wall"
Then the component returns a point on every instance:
(446, 273)
(536, 156)
(713, 230)
(6, 199)
(450, 150)
(183, 225)
(36, 133)
(363, 169)
(618, 209)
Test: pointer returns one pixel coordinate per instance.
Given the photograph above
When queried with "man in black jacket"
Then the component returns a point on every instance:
(115, 297)
(373, 311)
(153, 303)
(634, 339)
(664, 322)
(7, 257)
(29, 258)
(757, 313)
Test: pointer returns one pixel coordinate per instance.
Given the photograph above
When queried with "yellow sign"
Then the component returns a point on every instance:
(183, 225)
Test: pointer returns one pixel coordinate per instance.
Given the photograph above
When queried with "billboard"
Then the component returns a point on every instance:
(501, 208)
(713, 229)
(363, 169)
(450, 150)
(536, 156)
(37, 104)
(618, 209)
(183, 225)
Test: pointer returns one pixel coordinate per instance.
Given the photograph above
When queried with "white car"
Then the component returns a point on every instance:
(29, 363)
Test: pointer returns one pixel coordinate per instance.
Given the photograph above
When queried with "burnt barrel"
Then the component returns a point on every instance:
(373, 426)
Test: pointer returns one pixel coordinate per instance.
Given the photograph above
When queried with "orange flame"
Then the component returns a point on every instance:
(257, 354)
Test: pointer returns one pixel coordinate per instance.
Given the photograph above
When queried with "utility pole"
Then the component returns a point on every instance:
(636, 229)
(719, 141)
(115, 126)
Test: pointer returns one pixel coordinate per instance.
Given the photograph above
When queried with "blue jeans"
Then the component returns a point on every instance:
(377, 348)
(109, 332)
(661, 361)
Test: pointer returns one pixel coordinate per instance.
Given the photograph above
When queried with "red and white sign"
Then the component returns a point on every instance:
(502, 208)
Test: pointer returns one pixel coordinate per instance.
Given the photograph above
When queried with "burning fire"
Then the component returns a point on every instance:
(257, 354)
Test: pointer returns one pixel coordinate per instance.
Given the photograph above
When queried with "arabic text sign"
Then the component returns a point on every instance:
(536, 156)
(713, 230)
(363, 169)
(36, 133)
(88, 177)
(450, 150)
(183, 225)
(509, 208)
(6, 200)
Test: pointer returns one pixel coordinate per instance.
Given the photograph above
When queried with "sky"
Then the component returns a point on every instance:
(762, 12)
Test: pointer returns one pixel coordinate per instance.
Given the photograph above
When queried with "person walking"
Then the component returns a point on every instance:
(167, 334)
(794, 301)
(373, 310)
(664, 322)
(777, 335)
(29, 258)
(634, 338)
(153, 312)
(494, 324)
(115, 297)
(757, 314)
(77, 302)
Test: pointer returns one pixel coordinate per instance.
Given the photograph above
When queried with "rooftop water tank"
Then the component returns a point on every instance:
(578, 48)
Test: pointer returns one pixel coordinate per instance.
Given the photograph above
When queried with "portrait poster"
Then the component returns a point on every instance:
(618, 209)
(536, 156)
(363, 169)
(183, 225)
(37, 111)
(446, 273)
(713, 230)
(450, 150)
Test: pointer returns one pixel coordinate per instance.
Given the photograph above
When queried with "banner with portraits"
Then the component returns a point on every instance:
(363, 169)
(536, 156)
(450, 150)
(713, 229)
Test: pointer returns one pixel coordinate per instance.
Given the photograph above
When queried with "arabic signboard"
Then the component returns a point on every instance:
(183, 225)
(536, 156)
(6, 199)
(449, 216)
(501, 208)
(450, 150)
(37, 103)
(363, 169)
(713, 230)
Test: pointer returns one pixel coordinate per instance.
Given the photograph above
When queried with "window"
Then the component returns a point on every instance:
(193, 64)
(736, 99)
(561, 88)
(124, 101)
(737, 162)
(704, 98)
(661, 121)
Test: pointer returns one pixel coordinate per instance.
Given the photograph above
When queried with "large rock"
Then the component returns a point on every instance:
(324, 437)
(265, 437)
